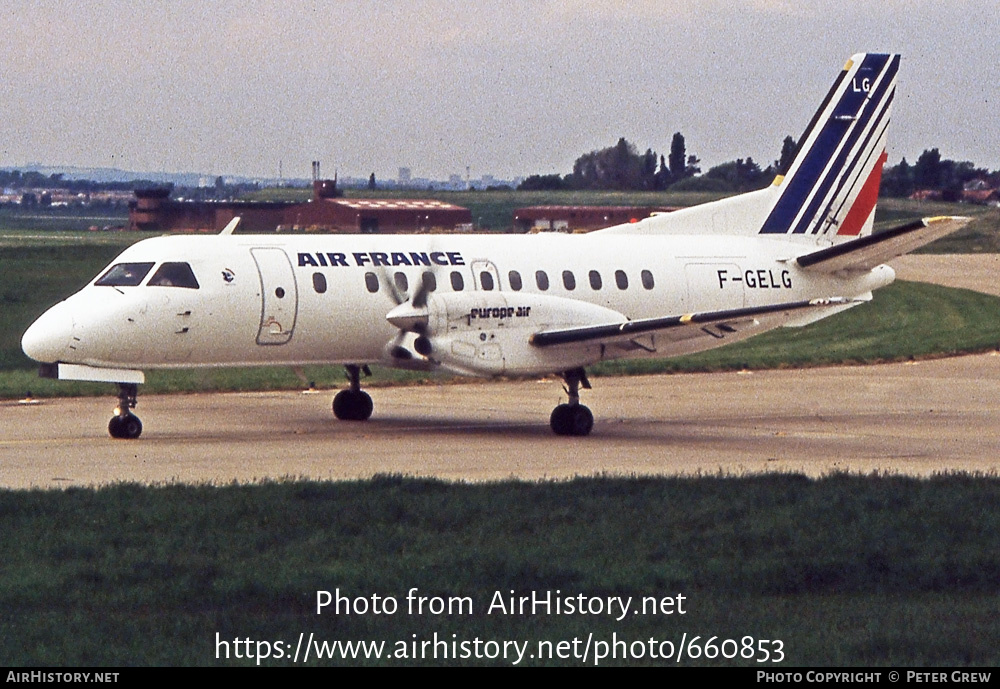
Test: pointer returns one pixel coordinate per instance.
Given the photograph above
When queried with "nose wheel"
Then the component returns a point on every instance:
(573, 418)
(124, 424)
(353, 404)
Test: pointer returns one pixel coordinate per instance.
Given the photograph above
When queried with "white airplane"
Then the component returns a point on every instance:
(512, 305)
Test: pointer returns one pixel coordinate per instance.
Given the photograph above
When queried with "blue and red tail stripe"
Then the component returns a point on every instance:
(865, 203)
(842, 145)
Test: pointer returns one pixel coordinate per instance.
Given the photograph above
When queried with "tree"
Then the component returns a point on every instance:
(371, 181)
(784, 161)
(740, 174)
(897, 181)
(618, 167)
(662, 175)
(649, 169)
(677, 158)
(543, 183)
(927, 171)
(692, 167)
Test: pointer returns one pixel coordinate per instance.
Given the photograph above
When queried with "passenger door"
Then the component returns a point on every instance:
(279, 296)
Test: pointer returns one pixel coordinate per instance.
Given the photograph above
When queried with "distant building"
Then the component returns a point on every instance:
(153, 209)
(580, 218)
(926, 195)
(981, 196)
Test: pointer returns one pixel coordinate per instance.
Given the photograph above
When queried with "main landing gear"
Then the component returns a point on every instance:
(573, 418)
(124, 424)
(353, 404)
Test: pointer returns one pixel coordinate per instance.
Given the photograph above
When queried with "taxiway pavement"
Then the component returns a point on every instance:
(918, 419)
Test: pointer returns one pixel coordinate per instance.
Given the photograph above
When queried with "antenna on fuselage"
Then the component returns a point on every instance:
(228, 229)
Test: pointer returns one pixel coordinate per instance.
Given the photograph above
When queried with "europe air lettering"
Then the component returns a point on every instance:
(331, 259)
(500, 313)
(761, 278)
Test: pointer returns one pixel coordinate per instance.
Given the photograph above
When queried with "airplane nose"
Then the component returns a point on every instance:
(47, 338)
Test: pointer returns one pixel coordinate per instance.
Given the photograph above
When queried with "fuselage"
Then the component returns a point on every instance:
(234, 300)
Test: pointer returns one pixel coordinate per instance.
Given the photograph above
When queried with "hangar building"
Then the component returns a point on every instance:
(153, 209)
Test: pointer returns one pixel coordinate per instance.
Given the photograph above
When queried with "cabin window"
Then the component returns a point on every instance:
(124, 275)
(621, 279)
(647, 279)
(371, 282)
(319, 283)
(486, 280)
(515, 280)
(430, 282)
(174, 275)
(542, 280)
(569, 280)
(457, 283)
(402, 284)
(595, 280)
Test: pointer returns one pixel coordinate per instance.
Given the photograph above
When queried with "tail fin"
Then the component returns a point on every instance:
(832, 186)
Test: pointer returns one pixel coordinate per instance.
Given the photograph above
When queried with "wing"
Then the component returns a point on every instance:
(670, 329)
(865, 253)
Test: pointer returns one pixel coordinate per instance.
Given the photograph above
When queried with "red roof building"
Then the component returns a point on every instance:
(153, 209)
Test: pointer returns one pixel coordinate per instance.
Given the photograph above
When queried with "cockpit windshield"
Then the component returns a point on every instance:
(124, 275)
(174, 275)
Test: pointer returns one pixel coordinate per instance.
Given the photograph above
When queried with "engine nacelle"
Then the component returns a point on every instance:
(488, 333)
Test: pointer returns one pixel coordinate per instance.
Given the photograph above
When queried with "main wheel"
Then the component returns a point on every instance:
(573, 419)
(352, 405)
(126, 427)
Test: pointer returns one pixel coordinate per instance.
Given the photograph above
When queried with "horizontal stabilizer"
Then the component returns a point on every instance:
(867, 252)
(729, 320)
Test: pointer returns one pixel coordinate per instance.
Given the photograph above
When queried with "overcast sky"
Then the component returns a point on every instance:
(505, 88)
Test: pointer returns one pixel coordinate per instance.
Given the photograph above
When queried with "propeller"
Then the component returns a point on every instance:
(410, 314)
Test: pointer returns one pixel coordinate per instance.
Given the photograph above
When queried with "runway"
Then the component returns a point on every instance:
(916, 419)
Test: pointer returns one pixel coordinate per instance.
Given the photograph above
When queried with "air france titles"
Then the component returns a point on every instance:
(333, 259)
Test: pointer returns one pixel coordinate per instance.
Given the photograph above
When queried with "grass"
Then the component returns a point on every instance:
(845, 570)
(982, 235)
(61, 219)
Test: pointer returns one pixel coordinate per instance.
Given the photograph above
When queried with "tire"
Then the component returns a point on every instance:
(349, 405)
(582, 421)
(571, 420)
(127, 427)
(560, 420)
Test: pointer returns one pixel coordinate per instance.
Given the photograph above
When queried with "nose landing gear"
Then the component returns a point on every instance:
(573, 418)
(124, 424)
